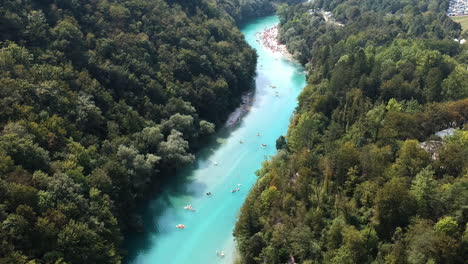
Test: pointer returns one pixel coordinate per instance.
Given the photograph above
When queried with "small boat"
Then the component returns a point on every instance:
(181, 226)
(234, 190)
(264, 145)
(189, 207)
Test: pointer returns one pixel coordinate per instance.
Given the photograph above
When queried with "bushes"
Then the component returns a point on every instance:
(100, 100)
(353, 178)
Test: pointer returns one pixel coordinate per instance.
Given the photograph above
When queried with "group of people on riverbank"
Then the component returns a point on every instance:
(269, 39)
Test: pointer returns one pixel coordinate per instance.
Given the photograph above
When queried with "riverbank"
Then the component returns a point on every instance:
(269, 38)
(222, 168)
(236, 116)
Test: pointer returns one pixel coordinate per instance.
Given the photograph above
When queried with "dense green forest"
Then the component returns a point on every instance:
(360, 176)
(243, 10)
(100, 101)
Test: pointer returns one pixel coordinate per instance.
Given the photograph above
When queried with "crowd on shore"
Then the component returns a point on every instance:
(269, 39)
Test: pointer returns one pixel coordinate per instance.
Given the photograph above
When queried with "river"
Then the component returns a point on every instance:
(221, 167)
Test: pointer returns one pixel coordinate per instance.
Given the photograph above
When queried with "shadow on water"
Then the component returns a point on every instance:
(174, 186)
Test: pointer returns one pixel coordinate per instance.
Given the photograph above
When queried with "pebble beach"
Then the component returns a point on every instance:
(269, 39)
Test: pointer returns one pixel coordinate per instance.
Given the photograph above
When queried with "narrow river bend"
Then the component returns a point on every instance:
(220, 168)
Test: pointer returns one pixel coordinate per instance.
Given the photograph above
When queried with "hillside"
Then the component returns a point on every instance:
(100, 102)
(353, 181)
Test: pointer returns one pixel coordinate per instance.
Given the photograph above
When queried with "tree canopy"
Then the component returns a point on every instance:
(360, 176)
(100, 102)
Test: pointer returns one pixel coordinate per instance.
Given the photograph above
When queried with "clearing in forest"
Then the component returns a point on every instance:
(463, 20)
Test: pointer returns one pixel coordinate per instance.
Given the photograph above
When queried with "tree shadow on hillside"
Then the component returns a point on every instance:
(175, 185)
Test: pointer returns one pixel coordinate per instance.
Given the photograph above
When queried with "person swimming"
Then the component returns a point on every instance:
(208, 193)
(258, 134)
(240, 141)
(189, 207)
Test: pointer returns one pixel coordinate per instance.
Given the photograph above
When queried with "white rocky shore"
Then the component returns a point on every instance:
(236, 116)
(269, 39)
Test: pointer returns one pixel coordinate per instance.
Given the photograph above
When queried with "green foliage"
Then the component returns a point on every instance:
(357, 180)
(100, 101)
(243, 10)
(394, 206)
(425, 190)
(447, 226)
(411, 159)
(455, 86)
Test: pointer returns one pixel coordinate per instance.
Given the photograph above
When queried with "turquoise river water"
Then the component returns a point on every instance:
(220, 167)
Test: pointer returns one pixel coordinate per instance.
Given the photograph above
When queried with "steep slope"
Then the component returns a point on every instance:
(352, 182)
(100, 100)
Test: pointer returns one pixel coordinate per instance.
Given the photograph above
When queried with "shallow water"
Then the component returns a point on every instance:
(219, 168)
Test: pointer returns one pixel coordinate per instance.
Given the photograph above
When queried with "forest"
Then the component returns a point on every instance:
(361, 176)
(100, 101)
(244, 10)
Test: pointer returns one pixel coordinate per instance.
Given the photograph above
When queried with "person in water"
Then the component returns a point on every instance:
(208, 193)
